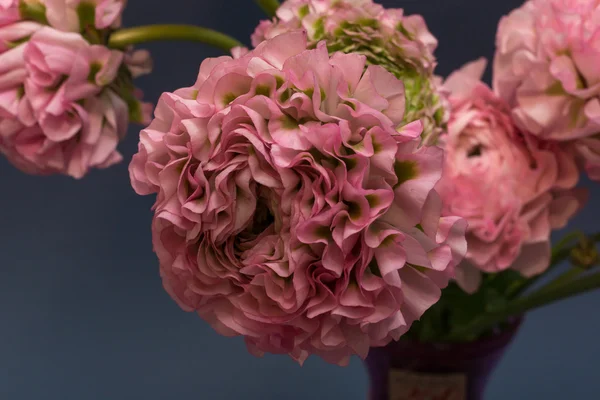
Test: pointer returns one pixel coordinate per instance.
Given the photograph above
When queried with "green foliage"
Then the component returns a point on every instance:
(124, 87)
(87, 15)
(457, 308)
(33, 11)
(460, 316)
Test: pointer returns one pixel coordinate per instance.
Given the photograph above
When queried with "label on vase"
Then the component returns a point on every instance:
(408, 385)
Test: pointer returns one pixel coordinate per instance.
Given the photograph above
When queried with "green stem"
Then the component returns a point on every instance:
(560, 252)
(149, 33)
(268, 6)
(566, 277)
(521, 306)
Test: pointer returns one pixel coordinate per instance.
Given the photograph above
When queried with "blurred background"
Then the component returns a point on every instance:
(83, 313)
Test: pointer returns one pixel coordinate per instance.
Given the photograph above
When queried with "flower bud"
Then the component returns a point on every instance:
(585, 254)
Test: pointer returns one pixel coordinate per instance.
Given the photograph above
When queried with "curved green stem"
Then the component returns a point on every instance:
(149, 33)
(566, 277)
(521, 306)
(560, 252)
(268, 6)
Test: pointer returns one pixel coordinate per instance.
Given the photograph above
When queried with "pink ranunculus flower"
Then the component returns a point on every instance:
(64, 103)
(511, 187)
(546, 68)
(64, 124)
(400, 43)
(290, 209)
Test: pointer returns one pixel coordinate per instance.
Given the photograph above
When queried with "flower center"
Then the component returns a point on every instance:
(263, 218)
(475, 151)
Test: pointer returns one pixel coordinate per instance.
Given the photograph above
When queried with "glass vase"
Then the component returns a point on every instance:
(407, 370)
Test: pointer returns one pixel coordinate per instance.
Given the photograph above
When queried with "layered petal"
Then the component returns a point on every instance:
(387, 38)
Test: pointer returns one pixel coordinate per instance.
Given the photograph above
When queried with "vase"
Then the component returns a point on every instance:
(408, 370)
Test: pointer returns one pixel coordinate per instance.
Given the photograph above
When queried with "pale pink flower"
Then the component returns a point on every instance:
(546, 68)
(65, 103)
(512, 188)
(400, 43)
(64, 127)
(291, 209)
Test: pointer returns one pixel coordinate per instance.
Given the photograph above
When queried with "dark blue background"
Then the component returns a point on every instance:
(83, 313)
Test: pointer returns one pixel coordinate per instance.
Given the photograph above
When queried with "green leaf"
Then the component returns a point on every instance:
(95, 67)
(494, 300)
(33, 11)
(87, 15)
(556, 89)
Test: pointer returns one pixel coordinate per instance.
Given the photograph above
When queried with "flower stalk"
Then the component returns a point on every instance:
(560, 252)
(542, 297)
(150, 33)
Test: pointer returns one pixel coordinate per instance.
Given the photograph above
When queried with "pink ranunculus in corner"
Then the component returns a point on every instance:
(511, 187)
(290, 210)
(64, 77)
(546, 68)
(65, 103)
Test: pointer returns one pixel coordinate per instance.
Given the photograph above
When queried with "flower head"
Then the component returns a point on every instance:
(400, 43)
(65, 103)
(546, 68)
(512, 188)
(290, 208)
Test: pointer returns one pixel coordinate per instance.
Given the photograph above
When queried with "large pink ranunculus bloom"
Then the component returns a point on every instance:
(546, 68)
(290, 210)
(512, 188)
(64, 103)
(400, 43)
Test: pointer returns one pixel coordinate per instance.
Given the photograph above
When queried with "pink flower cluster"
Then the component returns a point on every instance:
(400, 43)
(511, 187)
(290, 209)
(546, 68)
(65, 103)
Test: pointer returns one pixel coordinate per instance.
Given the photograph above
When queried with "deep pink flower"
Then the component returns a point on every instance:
(64, 103)
(546, 68)
(290, 209)
(512, 188)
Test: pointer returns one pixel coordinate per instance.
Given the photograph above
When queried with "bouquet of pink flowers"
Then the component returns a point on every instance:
(325, 192)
